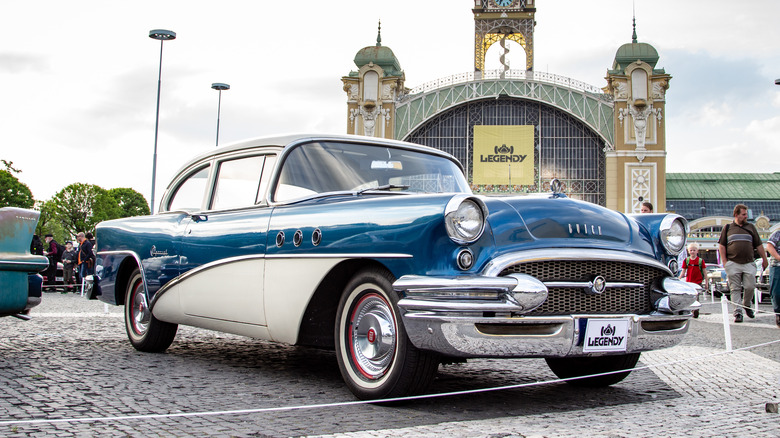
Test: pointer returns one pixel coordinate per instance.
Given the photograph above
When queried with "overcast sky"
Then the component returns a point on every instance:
(79, 78)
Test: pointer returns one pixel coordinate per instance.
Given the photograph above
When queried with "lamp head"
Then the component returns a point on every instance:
(162, 34)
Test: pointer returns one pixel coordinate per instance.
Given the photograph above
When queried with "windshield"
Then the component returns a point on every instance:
(323, 167)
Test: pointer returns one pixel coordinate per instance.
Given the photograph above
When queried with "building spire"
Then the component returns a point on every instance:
(633, 37)
(379, 34)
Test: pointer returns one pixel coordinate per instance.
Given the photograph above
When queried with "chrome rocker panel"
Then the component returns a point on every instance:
(483, 315)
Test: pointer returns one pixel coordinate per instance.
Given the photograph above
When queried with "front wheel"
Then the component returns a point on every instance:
(568, 367)
(376, 358)
(145, 332)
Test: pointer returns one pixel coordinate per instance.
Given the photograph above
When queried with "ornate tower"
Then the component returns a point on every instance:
(373, 90)
(496, 21)
(636, 168)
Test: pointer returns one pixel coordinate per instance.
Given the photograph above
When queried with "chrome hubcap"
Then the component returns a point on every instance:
(139, 312)
(372, 336)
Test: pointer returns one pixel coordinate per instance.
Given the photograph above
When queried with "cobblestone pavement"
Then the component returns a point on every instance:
(73, 361)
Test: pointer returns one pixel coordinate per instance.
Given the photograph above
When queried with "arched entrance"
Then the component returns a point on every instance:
(566, 148)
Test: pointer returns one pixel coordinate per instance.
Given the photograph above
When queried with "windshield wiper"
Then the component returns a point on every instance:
(381, 188)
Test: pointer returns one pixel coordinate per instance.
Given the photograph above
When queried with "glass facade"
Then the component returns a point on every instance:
(699, 208)
(565, 147)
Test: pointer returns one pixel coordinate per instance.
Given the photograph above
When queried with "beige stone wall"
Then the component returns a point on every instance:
(371, 98)
(636, 168)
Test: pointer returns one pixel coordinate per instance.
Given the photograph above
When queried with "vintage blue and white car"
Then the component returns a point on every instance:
(20, 283)
(379, 250)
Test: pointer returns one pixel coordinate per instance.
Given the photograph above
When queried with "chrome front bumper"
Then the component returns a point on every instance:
(533, 336)
(482, 316)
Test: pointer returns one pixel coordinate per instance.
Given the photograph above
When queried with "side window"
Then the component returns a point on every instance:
(189, 194)
(268, 169)
(237, 183)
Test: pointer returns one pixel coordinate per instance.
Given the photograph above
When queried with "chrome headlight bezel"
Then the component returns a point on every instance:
(674, 233)
(465, 218)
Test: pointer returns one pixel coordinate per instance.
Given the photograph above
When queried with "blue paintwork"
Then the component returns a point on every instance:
(170, 244)
(19, 281)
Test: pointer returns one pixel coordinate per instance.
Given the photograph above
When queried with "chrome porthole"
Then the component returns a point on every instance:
(298, 238)
(280, 239)
(316, 237)
(465, 259)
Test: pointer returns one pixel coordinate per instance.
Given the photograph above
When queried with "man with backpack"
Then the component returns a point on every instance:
(693, 270)
(738, 240)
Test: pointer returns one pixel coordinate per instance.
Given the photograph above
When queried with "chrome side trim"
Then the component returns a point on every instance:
(30, 263)
(340, 256)
(556, 254)
(220, 262)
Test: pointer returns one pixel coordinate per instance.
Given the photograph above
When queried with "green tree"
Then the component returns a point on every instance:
(130, 201)
(49, 224)
(13, 193)
(79, 207)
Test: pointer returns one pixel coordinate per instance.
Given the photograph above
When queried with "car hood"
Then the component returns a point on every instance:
(562, 222)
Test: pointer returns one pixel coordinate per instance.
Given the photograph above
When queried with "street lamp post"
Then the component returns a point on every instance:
(219, 86)
(162, 35)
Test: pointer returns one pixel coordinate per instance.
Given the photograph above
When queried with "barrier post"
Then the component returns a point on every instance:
(724, 307)
(756, 300)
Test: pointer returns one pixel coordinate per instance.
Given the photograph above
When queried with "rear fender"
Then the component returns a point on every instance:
(115, 277)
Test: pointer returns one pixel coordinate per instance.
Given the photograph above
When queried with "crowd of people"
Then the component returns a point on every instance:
(78, 261)
(739, 245)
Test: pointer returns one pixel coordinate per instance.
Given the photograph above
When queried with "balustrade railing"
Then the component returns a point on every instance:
(543, 77)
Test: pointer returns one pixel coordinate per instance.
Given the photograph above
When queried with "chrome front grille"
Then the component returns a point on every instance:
(569, 300)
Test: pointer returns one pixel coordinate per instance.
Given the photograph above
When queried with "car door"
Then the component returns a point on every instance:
(223, 247)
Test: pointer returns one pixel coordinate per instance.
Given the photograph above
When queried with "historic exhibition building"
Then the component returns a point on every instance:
(515, 130)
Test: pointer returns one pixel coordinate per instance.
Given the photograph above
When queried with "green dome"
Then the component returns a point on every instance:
(381, 56)
(631, 52)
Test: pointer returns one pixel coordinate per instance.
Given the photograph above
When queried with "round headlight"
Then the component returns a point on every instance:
(465, 221)
(673, 234)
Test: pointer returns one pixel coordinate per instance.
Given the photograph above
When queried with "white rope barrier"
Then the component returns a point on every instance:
(363, 402)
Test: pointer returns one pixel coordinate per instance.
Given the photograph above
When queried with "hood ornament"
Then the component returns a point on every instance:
(556, 186)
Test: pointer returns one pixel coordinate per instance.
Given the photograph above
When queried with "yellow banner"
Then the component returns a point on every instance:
(503, 155)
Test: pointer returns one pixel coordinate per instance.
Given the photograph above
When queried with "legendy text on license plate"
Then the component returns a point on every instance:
(604, 334)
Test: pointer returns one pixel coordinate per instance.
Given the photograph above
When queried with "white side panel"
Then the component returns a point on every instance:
(231, 292)
(168, 307)
(289, 285)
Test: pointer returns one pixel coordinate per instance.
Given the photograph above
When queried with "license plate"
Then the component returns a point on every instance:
(604, 334)
(57, 278)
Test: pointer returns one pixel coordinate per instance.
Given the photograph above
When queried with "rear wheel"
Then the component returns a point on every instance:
(145, 332)
(567, 367)
(376, 358)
